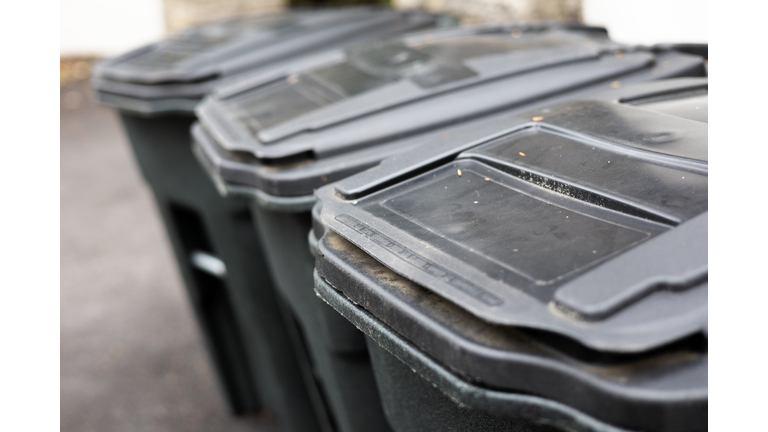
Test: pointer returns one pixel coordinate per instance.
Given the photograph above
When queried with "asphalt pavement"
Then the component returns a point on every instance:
(131, 356)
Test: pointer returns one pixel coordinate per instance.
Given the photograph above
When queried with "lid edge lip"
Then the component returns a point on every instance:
(547, 365)
(160, 78)
(227, 134)
(476, 348)
(597, 342)
(214, 165)
(161, 92)
(684, 88)
(283, 182)
(208, 162)
(147, 108)
(383, 332)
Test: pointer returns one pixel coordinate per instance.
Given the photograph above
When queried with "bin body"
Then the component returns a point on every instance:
(155, 89)
(402, 389)
(243, 328)
(340, 368)
(336, 347)
(269, 141)
(562, 256)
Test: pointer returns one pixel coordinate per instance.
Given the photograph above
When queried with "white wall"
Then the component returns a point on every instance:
(108, 27)
(649, 21)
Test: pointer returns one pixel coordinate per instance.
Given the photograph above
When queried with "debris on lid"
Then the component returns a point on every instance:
(537, 118)
(459, 171)
(522, 154)
(616, 84)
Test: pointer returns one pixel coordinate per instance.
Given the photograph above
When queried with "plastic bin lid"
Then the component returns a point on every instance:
(587, 218)
(189, 64)
(349, 102)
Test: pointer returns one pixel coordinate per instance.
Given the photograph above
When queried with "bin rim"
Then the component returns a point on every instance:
(147, 108)
(284, 204)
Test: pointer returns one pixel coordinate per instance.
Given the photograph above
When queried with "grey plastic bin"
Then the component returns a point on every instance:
(155, 90)
(276, 137)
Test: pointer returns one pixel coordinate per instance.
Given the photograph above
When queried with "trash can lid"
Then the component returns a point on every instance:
(587, 219)
(304, 126)
(190, 63)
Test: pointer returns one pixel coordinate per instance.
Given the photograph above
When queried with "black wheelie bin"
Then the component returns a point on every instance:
(545, 271)
(276, 137)
(155, 90)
